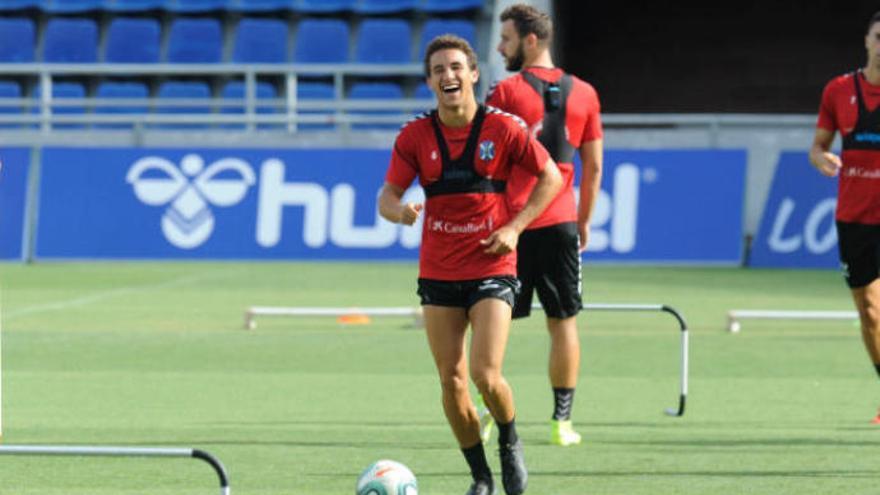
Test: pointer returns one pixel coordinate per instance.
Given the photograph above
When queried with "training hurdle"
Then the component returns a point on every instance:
(735, 315)
(251, 314)
(57, 450)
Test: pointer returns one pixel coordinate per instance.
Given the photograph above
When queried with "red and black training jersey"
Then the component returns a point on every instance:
(582, 124)
(456, 222)
(857, 117)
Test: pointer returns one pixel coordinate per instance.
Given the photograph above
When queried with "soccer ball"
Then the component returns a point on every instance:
(386, 478)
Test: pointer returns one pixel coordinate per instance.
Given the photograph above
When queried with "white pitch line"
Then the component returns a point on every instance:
(102, 296)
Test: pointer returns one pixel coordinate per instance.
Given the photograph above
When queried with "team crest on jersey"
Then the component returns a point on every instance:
(487, 150)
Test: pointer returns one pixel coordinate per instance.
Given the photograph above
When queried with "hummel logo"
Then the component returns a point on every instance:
(188, 221)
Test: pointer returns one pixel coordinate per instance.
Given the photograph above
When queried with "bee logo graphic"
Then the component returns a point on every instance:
(189, 191)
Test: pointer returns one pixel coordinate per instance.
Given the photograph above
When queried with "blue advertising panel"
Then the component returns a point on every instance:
(14, 164)
(797, 228)
(668, 206)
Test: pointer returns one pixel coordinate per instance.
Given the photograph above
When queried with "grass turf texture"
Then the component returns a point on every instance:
(155, 354)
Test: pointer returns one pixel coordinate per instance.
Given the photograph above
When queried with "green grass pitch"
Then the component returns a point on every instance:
(154, 354)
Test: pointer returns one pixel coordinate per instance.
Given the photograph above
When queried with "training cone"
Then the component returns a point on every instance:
(353, 319)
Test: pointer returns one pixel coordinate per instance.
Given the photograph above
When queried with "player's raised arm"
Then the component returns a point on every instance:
(391, 208)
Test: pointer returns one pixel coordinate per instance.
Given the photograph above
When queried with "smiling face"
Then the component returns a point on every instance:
(872, 45)
(452, 79)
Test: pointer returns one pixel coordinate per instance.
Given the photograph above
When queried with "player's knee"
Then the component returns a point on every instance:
(453, 383)
(486, 379)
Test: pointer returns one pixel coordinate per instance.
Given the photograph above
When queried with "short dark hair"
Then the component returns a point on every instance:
(449, 41)
(529, 20)
(874, 19)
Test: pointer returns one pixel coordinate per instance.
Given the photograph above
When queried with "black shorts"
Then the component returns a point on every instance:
(859, 247)
(466, 293)
(548, 260)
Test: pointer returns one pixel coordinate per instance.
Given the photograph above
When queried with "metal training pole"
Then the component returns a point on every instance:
(735, 315)
(683, 378)
(59, 450)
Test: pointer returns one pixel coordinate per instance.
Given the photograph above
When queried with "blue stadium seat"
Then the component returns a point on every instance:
(17, 38)
(133, 5)
(262, 5)
(260, 41)
(9, 89)
(19, 4)
(423, 92)
(235, 90)
(68, 6)
(70, 40)
(451, 5)
(133, 40)
(321, 41)
(196, 5)
(385, 6)
(436, 27)
(312, 91)
(61, 91)
(375, 91)
(383, 41)
(323, 6)
(126, 90)
(195, 41)
(187, 91)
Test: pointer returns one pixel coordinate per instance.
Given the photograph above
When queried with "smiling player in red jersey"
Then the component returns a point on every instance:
(463, 154)
(851, 105)
(562, 111)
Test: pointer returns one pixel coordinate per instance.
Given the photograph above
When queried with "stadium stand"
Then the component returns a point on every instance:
(133, 40)
(234, 98)
(260, 41)
(135, 5)
(71, 40)
(17, 40)
(260, 5)
(327, 41)
(61, 92)
(385, 6)
(71, 6)
(195, 41)
(315, 91)
(324, 6)
(120, 90)
(451, 5)
(188, 6)
(381, 91)
(384, 41)
(191, 92)
(9, 90)
(459, 27)
(19, 4)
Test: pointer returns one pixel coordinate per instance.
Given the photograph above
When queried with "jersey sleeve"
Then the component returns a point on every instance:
(403, 167)
(495, 97)
(593, 122)
(530, 155)
(827, 119)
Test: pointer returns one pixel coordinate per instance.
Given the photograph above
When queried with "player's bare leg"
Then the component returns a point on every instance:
(867, 301)
(446, 328)
(563, 366)
(490, 320)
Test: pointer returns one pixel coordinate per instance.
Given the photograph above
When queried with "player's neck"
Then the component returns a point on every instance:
(542, 59)
(458, 116)
(872, 74)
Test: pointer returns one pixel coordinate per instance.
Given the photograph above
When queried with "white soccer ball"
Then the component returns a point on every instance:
(387, 478)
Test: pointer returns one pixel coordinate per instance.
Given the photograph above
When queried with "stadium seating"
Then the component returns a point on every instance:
(260, 41)
(134, 5)
(195, 41)
(61, 91)
(185, 6)
(375, 91)
(126, 90)
(68, 6)
(19, 4)
(17, 40)
(385, 6)
(323, 6)
(9, 89)
(133, 40)
(423, 92)
(436, 27)
(235, 90)
(321, 41)
(451, 5)
(70, 40)
(186, 90)
(384, 41)
(261, 5)
(315, 91)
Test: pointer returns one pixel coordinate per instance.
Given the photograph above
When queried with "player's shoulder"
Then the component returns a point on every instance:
(843, 82)
(415, 122)
(496, 116)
